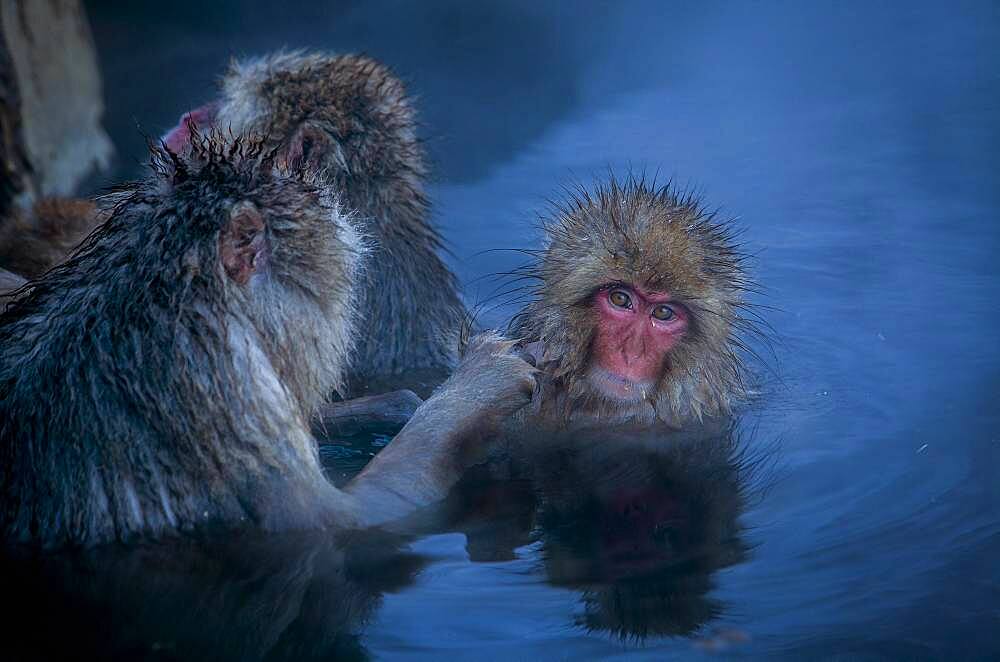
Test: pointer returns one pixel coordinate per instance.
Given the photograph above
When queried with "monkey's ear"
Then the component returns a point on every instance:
(199, 120)
(308, 147)
(243, 244)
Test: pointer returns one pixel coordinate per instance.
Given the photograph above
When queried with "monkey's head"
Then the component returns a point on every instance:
(226, 234)
(344, 116)
(637, 306)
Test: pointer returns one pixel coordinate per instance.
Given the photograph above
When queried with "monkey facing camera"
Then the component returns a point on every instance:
(638, 312)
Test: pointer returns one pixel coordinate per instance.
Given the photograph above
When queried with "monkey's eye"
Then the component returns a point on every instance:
(663, 313)
(620, 299)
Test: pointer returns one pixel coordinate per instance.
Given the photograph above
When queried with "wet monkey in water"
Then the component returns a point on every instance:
(637, 308)
(349, 118)
(162, 378)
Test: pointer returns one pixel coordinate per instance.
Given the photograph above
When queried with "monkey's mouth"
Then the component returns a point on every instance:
(619, 388)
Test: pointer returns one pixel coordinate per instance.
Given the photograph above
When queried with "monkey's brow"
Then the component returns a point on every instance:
(584, 301)
(610, 285)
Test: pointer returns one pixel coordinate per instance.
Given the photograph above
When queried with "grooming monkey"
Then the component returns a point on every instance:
(162, 378)
(349, 118)
(636, 309)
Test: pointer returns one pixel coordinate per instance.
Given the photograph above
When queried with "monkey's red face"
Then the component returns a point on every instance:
(200, 119)
(636, 329)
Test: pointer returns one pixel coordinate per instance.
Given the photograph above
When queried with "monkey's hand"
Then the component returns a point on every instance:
(494, 378)
(448, 432)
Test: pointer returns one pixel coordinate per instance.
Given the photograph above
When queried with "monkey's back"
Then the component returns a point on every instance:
(126, 409)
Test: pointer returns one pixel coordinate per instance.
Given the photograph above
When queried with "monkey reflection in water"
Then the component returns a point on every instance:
(637, 520)
(640, 526)
(243, 596)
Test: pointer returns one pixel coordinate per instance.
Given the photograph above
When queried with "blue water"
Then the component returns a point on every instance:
(858, 145)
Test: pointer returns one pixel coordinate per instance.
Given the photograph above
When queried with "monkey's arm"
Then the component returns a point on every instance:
(394, 408)
(447, 434)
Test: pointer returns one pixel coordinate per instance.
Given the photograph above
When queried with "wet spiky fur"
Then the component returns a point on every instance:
(142, 391)
(657, 238)
(411, 311)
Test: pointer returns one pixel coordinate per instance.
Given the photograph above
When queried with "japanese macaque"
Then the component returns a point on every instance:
(161, 379)
(636, 313)
(349, 118)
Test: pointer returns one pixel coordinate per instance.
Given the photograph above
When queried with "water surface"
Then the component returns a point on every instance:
(858, 144)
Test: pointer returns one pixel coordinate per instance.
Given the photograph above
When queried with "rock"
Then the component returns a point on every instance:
(51, 101)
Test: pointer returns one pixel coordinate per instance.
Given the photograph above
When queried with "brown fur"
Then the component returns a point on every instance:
(350, 118)
(32, 242)
(631, 232)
